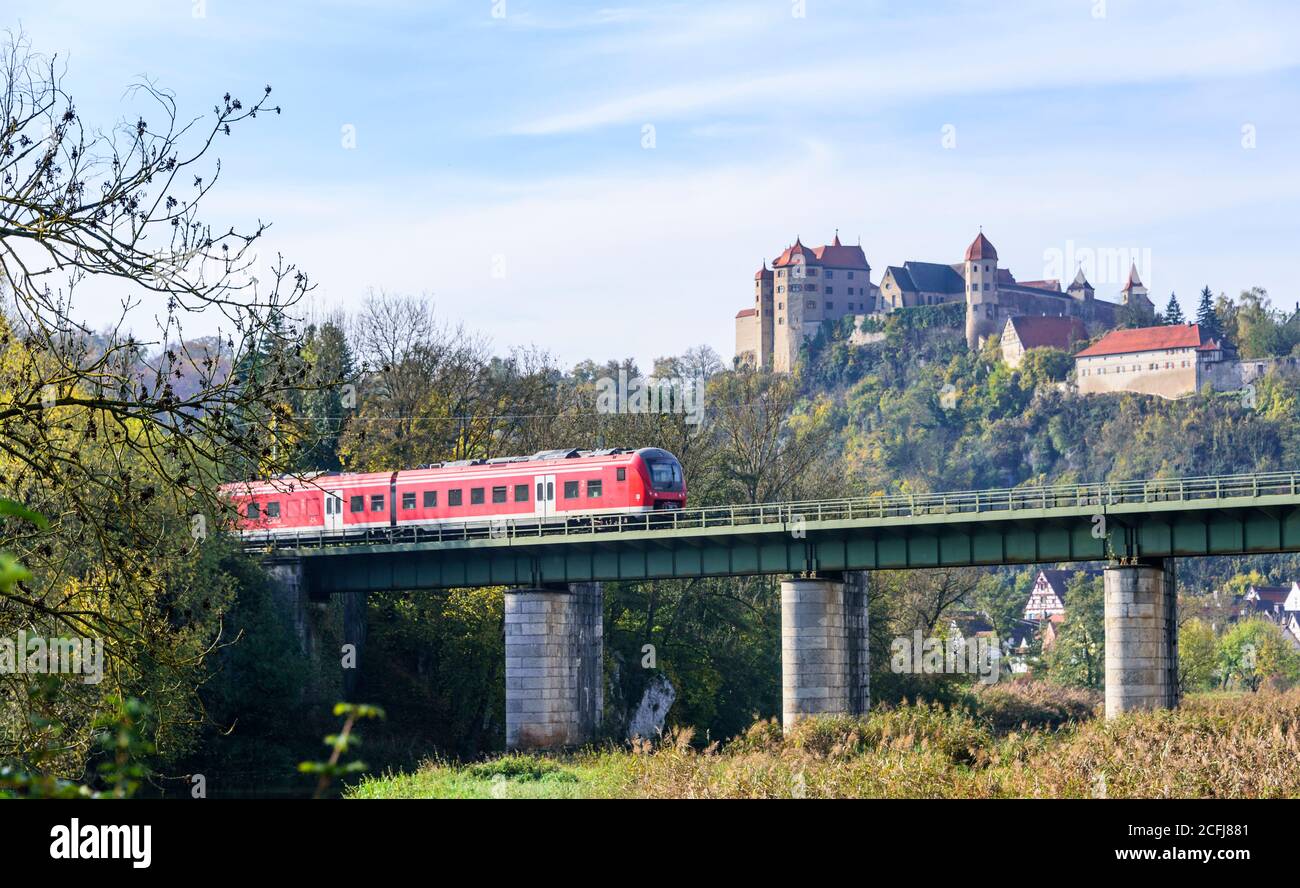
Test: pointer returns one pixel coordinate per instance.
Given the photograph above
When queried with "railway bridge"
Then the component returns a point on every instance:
(826, 551)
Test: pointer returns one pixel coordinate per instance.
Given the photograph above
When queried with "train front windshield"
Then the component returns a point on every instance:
(665, 474)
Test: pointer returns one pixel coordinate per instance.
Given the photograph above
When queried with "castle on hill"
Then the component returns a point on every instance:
(807, 286)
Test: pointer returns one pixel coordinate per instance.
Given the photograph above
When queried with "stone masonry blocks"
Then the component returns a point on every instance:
(1141, 639)
(554, 666)
(824, 664)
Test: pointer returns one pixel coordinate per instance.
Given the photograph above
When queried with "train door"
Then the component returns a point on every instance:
(333, 511)
(544, 492)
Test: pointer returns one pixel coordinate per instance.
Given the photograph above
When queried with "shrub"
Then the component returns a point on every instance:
(519, 767)
(1032, 705)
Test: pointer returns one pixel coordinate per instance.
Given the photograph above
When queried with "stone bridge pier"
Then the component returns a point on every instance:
(555, 673)
(1141, 637)
(825, 669)
(321, 621)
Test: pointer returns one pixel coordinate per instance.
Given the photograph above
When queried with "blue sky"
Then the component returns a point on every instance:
(501, 162)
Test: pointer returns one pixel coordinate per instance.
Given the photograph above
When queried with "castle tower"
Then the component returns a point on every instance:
(763, 289)
(1135, 292)
(1081, 289)
(981, 267)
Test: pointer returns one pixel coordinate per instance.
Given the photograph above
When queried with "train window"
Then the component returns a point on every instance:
(593, 490)
(377, 502)
(357, 504)
(273, 510)
(431, 499)
(498, 494)
(570, 489)
(521, 493)
(252, 511)
(622, 474)
(476, 496)
(408, 500)
(453, 497)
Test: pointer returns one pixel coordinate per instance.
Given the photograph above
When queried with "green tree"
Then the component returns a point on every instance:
(1045, 365)
(1254, 651)
(326, 406)
(1077, 659)
(1207, 317)
(1173, 313)
(1198, 656)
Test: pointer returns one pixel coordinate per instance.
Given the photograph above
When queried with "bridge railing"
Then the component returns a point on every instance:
(792, 515)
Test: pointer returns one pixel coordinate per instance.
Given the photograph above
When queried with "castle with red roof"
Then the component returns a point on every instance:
(1170, 361)
(807, 286)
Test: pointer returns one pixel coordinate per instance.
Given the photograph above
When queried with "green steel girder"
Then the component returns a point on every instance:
(1233, 525)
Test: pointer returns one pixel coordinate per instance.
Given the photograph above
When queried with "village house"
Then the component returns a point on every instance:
(1278, 604)
(1171, 361)
(1050, 629)
(1047, 597)
(1025, 332)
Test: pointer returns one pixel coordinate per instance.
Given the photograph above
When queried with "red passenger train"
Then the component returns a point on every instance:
(551, 486)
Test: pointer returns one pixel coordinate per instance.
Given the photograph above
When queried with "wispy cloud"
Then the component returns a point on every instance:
(976, 56)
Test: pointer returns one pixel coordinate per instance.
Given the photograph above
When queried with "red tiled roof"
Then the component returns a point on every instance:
(1118, 342)
(1271, 594)
(746, 313)
(1133, 279)
(839, 256)
(796, 249)
(1053, 286)
(833, 254)
(980, 248)
(763, 272)
(1046, 332)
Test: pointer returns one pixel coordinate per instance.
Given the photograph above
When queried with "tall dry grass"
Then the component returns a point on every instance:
(1024, 740)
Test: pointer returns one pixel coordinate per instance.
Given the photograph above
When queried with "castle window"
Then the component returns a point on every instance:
(830, 291)
(830, 272)
(850, 275)
(780, 322)
(829, 306)
(811, 303)
(986, 286)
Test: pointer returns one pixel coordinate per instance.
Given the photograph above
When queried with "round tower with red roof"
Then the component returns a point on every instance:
(981, 266)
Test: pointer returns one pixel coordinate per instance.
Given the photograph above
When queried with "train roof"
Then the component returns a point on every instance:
(322, 480)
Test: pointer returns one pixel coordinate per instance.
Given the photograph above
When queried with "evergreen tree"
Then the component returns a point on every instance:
(331, 396)
(1207, 317)
(1173, 312)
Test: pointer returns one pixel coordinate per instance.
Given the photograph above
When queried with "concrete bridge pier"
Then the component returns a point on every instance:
(290, 591)
(824, 662)
(1141, 637)
(555, 675)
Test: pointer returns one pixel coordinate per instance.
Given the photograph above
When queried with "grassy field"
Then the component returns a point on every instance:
(1006, 741)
